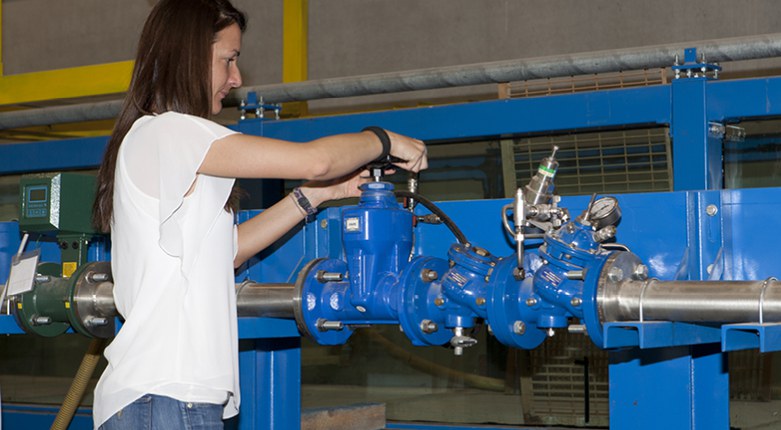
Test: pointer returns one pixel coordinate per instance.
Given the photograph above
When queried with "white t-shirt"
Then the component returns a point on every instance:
(172, 260)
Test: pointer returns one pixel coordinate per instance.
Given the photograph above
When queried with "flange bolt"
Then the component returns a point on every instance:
(519, 327)
(428, 326)
(615, 274)
(640, 273)
(428, 275)
(322, 276)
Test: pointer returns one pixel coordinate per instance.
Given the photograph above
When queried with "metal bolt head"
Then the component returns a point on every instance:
(96, 321)
(428, 275)
(97, 277)
(615, 274)
(519, 327)
(439, 301)
(531, 301)
(711, 210)
(428, 326)
(335, 302)
(576, 301)
(480, 301)
(41, 320)
(640, 273)
(323, 223)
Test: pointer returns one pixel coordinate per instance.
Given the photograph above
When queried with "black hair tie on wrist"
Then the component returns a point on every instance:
(384, 140)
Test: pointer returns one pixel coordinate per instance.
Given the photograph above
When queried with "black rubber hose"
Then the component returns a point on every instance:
(436, 211)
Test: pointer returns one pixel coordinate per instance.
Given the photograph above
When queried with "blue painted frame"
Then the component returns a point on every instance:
(686, 106)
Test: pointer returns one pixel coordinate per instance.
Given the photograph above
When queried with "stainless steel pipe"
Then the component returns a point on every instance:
(732, 49)
(623, 294)
(695, 301)
(265, 300)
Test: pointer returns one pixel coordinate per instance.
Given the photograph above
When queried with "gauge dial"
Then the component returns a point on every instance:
(605, 212)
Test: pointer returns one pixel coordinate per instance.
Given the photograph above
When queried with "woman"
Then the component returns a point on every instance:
(163, 189)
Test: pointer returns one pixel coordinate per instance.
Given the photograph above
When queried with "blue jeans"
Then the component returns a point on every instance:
(152, 412)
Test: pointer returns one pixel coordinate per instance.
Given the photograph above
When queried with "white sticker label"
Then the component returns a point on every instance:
(22, 276)
(352, 224)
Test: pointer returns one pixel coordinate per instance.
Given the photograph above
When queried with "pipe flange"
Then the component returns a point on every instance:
(35, 310)
(422, 323)
(307, 298)
(92, 311)
(600, 291)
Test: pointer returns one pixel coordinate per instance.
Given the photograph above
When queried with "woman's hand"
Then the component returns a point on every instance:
(411, 151)
(341, 188)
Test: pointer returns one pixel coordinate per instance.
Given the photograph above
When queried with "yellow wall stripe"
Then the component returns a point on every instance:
(295, 32)
(99, 79)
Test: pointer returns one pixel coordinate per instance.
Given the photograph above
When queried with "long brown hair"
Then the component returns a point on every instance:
(172, 72)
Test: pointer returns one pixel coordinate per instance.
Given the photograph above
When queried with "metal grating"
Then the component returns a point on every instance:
(573, 84)
(559, 395)
(602, 162)
(750, 375)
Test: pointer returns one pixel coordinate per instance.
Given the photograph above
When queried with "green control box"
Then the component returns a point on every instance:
(56, 203)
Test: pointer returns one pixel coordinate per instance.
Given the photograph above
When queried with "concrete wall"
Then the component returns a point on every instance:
(45, 35)
(350, 37)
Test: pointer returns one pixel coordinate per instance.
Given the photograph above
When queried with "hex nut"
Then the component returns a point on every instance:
(519, 327)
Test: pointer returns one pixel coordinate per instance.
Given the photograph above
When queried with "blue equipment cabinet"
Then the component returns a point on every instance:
(677, 368)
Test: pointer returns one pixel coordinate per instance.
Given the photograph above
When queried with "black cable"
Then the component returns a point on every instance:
(437, 211)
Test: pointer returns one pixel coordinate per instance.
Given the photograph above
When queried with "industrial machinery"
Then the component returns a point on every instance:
(578, 279)
(74, 293)
(529, 266)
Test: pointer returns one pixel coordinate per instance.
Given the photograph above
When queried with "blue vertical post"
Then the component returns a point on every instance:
(654, 388)
(671, 388)
(9, 245)
(697, 154)
(270, 384)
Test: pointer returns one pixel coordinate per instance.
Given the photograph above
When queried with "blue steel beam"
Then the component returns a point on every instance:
(726, 101)
(588, 110)
(599, 109)
(53, 155)
(733, 100)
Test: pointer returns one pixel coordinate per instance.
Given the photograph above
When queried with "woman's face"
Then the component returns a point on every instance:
(225, 70)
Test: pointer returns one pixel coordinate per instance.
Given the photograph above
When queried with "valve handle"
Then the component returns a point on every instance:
(378, 167)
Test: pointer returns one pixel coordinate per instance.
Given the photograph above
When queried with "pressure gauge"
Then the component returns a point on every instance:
(604, 212)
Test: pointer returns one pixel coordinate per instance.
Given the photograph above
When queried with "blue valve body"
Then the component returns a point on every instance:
(377, 236)
(429, 297)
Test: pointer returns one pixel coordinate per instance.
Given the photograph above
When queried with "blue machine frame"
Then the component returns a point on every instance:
(670, 230)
